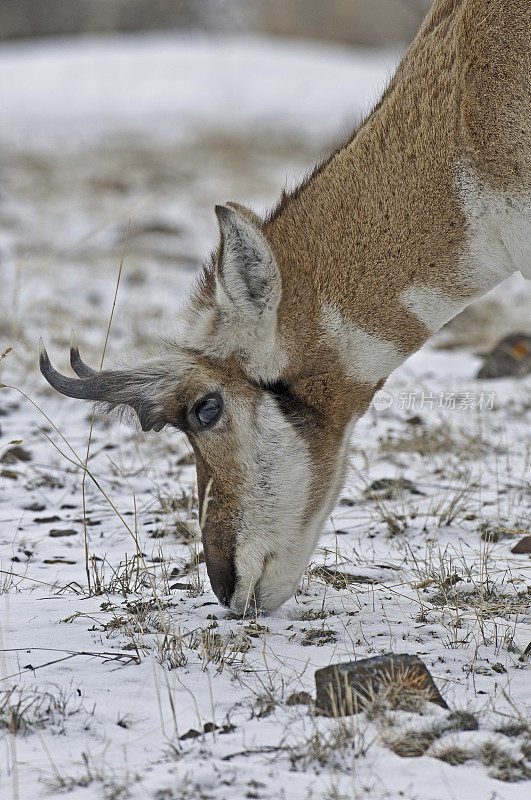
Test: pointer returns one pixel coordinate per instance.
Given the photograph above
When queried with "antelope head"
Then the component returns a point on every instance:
(268, 436)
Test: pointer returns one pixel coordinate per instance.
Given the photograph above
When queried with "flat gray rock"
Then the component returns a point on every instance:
(347, 688)
(510, 357)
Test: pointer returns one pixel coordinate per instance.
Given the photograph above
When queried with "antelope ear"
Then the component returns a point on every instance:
(248, 278)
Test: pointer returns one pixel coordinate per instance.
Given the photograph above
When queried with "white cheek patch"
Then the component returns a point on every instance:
(498, 231)
(431, 306)
(272, 546)
(364, 356)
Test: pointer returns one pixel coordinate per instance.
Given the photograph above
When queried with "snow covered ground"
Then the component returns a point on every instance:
(120, 676)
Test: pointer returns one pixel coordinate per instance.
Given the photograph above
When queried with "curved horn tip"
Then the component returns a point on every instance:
(43, 355)
(76, 362)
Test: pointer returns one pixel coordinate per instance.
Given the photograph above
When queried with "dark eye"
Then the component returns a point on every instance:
(207, 411)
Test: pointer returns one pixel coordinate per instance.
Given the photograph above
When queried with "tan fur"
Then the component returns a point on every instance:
(298, 319)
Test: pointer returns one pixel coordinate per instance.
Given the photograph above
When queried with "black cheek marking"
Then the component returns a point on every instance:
(291, 406)
(285, 400)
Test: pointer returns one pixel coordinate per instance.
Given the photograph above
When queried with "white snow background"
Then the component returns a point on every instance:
(102, 134)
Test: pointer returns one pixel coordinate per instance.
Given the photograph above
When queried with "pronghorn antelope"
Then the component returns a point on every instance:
(299, 318)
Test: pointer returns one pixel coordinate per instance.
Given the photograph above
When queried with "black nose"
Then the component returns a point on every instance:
(222, 589)
(219, 561)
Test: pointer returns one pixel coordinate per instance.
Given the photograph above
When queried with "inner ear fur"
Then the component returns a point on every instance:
(246, 270)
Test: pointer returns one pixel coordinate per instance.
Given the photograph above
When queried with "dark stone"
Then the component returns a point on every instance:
(393, 486)
(499, 668)
(54, 518)
(347, 501)
(523, 546)
(56, 533)
(191, 734)
(345, 688)
(35, 507)
(209, 727)
(510, 357)
(15, 454)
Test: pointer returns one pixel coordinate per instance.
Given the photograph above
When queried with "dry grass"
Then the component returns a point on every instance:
(112, 785)
(333, 747)
(411, 744)
(23, 711)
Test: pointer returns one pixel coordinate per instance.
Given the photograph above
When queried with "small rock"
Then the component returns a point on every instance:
(393, 486)
(499, 668)
(510, 357)
(14, 454)
(56, 533)
(53, 518)
(208, 727)
(523, 546)
(191, 734)
(347, 501)
(34, 507)
(526, 654)
(9, 473)
(346, 688)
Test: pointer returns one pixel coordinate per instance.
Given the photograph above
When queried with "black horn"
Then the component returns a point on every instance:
(80, 368)
(135, 389)
(99, 386)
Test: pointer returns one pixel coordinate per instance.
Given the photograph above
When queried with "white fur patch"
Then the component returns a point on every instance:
(259, 346)
(499, 232)
(364, 356)
(431, 306)
(272, 546)
(198, 327)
